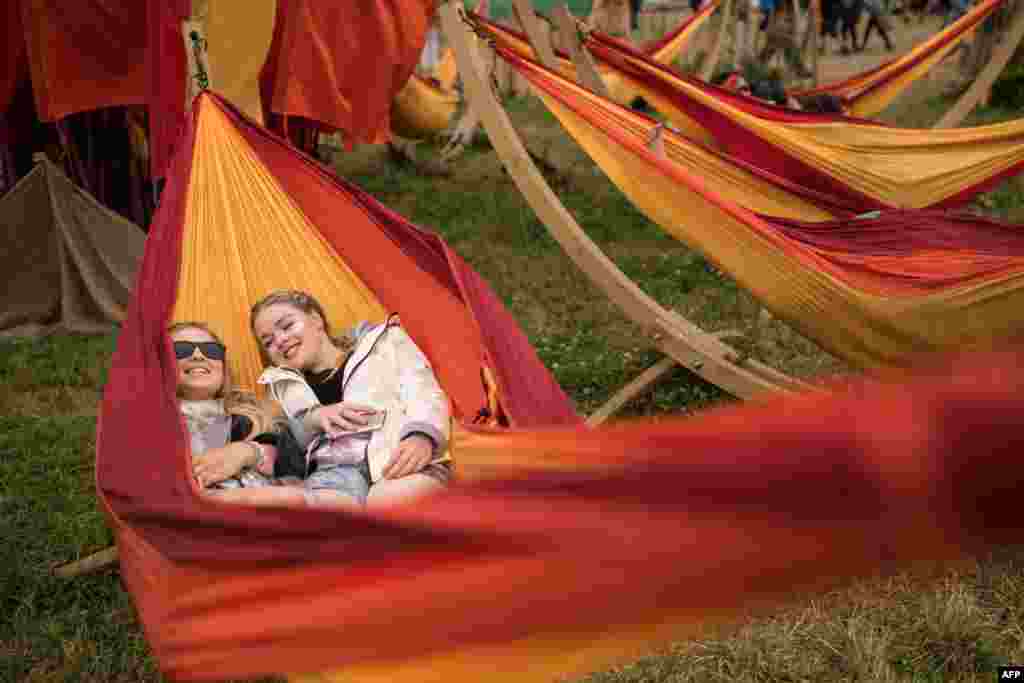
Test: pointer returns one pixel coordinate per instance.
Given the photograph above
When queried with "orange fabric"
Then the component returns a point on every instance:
(341, 64)
(86, 54)
(582, 544)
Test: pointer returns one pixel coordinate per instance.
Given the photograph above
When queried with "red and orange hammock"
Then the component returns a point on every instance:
(873, 165)
(870, 92)
(561, 549)
(875, 290)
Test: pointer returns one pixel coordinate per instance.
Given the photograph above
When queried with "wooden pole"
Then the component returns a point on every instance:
(708, 69)
(693, 348)
(983, 83)
(91, 563)
(586, 70)
(814, 27)
(540, 43)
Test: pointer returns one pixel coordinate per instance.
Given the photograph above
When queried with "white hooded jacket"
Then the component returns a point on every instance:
(387, 371)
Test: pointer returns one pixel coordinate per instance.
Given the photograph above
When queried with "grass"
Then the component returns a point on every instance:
(937, 625)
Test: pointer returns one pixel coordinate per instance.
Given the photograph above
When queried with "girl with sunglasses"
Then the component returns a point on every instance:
(236, 453)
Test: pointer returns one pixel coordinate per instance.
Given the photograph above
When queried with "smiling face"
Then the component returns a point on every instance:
(291, 337)
(199, 378)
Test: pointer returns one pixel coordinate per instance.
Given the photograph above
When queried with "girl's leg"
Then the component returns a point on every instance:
(265, 496)
(410, 487)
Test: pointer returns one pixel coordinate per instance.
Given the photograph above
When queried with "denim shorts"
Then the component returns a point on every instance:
(348, 480)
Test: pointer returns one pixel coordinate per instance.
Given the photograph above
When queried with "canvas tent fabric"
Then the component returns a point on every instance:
(523, 562)
(71, 261)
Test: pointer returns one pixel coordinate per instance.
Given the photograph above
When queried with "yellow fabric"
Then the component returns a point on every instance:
(238, 35)
(447, 70)
(244, 237)
(901, 167)
(542, 658)
(422, 110)
(733, 182)
(864, 328)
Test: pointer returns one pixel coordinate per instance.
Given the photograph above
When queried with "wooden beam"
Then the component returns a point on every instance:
(91, 563)
(983, 83)
(586, 70)
(540, 42)
(632, 390)
(711, 60)
(685, 342)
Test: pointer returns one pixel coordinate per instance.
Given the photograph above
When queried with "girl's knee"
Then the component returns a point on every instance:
(410, 487)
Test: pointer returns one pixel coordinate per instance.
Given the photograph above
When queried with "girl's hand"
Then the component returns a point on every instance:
(412, 455)
(338, 418)
(218, 464)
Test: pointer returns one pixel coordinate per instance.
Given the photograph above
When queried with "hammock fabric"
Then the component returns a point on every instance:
(874, 291)
(870, 92)
(564, 549)
(879, 164)
(340, 67)
(738, 181)
(85, 55)
(422, 109)
(663, 51)
(167, 69)
(14, 63)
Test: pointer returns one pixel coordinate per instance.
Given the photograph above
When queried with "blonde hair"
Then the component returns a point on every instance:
(236, 401)
(305, 303)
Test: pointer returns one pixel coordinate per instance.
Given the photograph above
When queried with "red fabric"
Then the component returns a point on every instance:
(85, 55)
(341, 64)
(144, 357)
(908, 252)
(167, 74)
(736, 140)
(13, 64)
(695, 516)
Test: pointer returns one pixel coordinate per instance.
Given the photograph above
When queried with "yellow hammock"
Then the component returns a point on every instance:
(865, 320)
(619, 89)
(901, 167)
(422, 109)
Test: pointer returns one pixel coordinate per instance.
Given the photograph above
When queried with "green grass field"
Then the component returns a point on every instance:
(932, 624)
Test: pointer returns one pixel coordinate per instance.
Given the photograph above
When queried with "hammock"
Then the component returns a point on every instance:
(881, 165)
(738, 181)
(562, 550)
(870, 92)
(874, 291)
(422, 109)
(663, 51)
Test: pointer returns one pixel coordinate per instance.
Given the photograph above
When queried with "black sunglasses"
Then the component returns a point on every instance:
(211, 350)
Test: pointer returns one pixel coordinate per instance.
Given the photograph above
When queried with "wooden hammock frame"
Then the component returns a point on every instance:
(983, 83)
(703, 353)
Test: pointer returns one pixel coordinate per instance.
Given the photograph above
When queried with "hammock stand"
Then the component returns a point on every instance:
(685, 343)
(983, 83)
